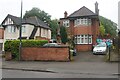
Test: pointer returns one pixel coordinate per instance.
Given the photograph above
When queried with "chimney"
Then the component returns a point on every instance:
(96, 8)
(65, 14)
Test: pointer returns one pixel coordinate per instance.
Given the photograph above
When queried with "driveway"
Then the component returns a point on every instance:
(88, 57)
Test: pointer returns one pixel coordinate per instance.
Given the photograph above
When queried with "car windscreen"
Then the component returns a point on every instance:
(101, 45)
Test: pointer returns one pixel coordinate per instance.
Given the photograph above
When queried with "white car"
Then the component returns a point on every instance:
(50, 45)
(100, 48)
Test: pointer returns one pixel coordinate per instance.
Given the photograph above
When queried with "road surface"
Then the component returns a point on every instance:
(33, 74)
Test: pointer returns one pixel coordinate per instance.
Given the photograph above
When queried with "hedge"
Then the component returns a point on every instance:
(13, 46)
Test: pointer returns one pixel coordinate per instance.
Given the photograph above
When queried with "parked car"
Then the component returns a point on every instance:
(50, 44)
(53, 41)
(101, 48)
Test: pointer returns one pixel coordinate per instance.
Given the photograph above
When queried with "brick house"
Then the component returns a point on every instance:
(1, 37)
(83, 27)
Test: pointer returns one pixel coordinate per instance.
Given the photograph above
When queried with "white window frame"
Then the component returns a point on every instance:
(66, 23)
(11, 29)
(83, 21)
(83, 39)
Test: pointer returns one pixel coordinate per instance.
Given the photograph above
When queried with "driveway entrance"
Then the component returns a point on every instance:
(89, 57)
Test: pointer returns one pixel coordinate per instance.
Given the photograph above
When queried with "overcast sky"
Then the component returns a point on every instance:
(56, 8)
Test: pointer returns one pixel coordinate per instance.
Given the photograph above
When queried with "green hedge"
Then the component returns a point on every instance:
(13, 46)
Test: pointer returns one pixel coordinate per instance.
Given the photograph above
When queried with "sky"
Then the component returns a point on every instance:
(56, 8)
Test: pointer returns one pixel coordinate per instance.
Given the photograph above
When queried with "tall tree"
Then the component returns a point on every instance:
(110, 26)
(102, 30)
(54, 26)
(45, 17)
(63, 34)
(42, 15)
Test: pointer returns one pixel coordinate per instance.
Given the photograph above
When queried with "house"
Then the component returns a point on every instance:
(1, 38)
(31, 28)
(82, 27)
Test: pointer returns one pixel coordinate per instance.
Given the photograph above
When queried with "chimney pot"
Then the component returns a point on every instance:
(96, 8)
(65, 14)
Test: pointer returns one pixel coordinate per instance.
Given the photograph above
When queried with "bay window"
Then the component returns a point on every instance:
(83, 39)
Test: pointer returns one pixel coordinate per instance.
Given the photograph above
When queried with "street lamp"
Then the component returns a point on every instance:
(20, 34)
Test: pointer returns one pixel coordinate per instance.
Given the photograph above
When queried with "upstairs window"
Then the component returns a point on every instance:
(82, 21)
(66, 23)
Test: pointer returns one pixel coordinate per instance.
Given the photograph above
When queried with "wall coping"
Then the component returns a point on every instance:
(48, 47)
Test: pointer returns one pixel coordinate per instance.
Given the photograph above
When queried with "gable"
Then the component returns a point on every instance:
(10, 19)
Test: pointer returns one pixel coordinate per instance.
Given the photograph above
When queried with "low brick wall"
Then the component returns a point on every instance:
(46, 53)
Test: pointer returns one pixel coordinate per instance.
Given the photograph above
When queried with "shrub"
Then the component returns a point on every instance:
(13, 46)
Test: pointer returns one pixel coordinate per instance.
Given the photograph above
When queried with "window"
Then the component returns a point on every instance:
(90, 39)
(23, 29)
(82, 21)
(89, 22)
(11, 29)
(83, 39)
(86, 38)
(44, 32)
(66, 23)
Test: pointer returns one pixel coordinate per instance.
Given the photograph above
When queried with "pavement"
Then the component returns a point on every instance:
(83, 63)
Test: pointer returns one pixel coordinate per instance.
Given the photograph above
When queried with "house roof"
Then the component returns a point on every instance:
(32, 20)
(84, 11)
(35, 21)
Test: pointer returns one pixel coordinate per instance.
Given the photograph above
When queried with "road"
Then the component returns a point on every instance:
(84, 66)
(32, 74)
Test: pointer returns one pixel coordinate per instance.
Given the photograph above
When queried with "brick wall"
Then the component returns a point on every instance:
(84, 47)
(95, 29)
(45, 54)
(1, 33)
(82, 30)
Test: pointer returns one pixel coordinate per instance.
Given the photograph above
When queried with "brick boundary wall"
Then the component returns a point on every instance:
(45, 53)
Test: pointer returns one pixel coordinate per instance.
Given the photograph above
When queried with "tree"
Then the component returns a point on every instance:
(109, 26)
(102, 30)
(42, 15)
(63, 34)
(54, 26)
(45, 17)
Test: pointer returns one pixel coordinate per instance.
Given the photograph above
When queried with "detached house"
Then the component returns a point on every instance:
(82, 27)
(32, 28)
